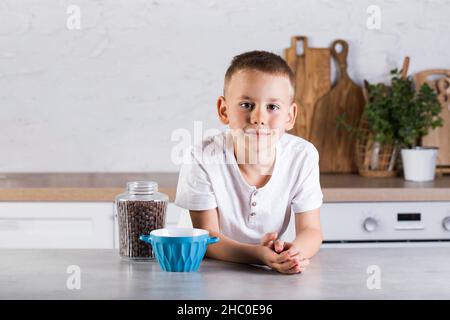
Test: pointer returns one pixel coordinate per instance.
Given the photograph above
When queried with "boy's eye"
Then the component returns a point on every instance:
(273, 107)
(246, 105)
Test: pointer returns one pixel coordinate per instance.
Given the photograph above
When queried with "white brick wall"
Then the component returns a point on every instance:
(107, 97)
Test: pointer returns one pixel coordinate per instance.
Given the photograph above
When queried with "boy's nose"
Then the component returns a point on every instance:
(258, 117)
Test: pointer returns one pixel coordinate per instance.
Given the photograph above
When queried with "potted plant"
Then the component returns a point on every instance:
(396, 118)
(414, 112)
(376, 146)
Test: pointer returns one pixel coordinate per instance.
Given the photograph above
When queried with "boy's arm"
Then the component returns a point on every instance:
(308, 232)
(230, 250)
(226, 249)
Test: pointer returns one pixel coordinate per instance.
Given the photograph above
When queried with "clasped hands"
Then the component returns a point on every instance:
(281, 256)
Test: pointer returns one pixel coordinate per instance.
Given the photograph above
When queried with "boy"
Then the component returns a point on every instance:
(269, 176)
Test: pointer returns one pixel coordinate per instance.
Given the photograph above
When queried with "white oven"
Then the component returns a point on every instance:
(380, 224)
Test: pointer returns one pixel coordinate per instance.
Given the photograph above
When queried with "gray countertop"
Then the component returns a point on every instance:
(334, 273)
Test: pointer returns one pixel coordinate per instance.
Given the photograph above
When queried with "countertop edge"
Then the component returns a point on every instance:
(100, 194)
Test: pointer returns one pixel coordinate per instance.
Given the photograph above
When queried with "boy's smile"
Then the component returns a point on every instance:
(258, 108)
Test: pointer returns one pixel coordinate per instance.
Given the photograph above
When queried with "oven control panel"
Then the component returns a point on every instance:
(366, 221)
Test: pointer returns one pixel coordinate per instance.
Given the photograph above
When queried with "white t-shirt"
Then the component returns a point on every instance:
(210, 178)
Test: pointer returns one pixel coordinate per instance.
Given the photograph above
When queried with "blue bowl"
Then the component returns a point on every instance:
(179, 249)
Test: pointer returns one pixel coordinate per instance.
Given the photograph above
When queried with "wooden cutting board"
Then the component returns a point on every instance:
(335, 147)
(439, 137)
(312, 76)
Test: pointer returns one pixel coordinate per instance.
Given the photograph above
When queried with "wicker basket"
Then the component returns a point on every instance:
(365, 159)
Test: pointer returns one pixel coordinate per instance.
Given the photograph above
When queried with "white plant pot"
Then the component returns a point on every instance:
(419, 164)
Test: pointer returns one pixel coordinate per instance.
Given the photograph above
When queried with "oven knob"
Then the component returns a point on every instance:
(446, 223)
(370, 224)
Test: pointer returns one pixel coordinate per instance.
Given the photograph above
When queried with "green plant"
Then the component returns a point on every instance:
(397, 115)
(413, 113)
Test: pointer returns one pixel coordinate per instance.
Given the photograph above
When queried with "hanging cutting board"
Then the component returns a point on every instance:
(334, 144)
(439, 137)
(312, 80)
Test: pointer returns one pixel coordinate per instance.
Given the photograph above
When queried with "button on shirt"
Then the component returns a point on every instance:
(210, 178)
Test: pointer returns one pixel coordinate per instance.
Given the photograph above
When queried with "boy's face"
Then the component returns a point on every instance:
(258, 108)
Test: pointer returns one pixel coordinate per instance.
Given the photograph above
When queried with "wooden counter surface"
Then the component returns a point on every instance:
(105, 186)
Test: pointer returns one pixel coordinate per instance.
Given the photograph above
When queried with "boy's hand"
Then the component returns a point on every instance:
(285, 262)
(270, 240)
(282, 256)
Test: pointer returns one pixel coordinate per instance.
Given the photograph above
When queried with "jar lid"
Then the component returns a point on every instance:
(142, 187)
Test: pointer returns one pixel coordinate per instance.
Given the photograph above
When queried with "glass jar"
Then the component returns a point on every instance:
(140, 210)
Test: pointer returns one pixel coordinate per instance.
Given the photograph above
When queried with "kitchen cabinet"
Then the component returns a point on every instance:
(80, 225)
(75, 210)
(56, 225)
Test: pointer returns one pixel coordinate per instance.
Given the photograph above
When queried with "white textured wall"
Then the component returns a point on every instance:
(107, 97)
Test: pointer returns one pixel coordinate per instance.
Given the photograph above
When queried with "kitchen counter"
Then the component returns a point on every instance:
(334, 273)
(105, 186)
